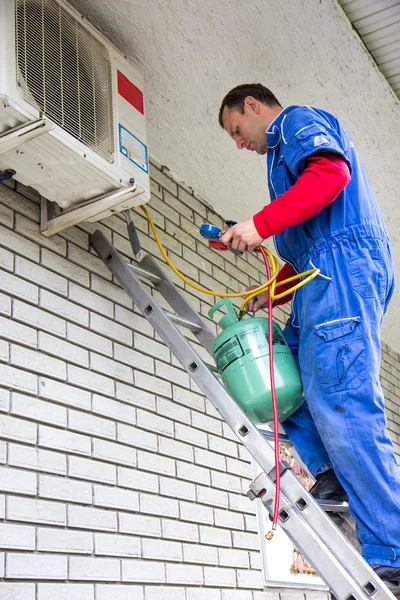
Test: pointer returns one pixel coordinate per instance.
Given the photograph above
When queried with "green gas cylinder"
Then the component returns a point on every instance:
(242, 357)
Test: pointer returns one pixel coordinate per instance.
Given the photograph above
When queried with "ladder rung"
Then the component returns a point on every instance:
(269, 435)
(338, 507)
(144, 274)
(156, 279)
(184, 322)
(213, 368)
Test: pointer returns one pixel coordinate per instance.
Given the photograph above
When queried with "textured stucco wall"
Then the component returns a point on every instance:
(192, 53)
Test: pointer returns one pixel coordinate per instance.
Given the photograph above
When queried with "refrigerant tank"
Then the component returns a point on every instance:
(242, 357)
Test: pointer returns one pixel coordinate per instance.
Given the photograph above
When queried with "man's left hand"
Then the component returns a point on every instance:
(243, 236)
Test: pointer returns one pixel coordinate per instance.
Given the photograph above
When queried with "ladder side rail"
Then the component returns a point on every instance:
(312, 549)
(347, 568)
(333, 549)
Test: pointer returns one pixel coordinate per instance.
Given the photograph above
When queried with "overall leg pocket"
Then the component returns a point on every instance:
(368, 273)
(340, 354)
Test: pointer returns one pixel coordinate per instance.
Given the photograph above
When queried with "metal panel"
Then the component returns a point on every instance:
(378, 24)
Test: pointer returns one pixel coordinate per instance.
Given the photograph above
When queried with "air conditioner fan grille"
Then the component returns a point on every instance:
(65, 72)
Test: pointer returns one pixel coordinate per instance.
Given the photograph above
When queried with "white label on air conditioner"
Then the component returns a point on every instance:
(133, 149)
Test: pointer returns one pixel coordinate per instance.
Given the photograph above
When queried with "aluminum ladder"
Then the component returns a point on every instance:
(337, 562)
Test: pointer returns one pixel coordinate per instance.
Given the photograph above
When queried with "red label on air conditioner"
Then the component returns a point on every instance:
(130, 92)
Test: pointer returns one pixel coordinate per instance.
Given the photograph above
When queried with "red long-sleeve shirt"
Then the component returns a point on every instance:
(324, 177)
(286, 272)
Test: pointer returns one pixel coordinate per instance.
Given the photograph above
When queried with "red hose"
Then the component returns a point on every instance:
(273, 394)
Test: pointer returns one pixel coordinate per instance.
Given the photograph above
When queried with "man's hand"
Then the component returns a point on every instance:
(260, 301)
(242, 236)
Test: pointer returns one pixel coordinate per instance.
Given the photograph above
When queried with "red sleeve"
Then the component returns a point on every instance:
(324, 177)
(286, 272)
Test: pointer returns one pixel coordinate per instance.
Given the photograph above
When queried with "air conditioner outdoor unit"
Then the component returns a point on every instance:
(72, 121)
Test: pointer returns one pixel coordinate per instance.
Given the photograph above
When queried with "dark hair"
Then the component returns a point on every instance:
(236, 97)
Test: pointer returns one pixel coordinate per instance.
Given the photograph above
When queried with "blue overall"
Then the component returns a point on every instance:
(334, 329)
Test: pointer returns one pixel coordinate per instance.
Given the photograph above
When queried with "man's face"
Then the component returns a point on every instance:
(247, 130)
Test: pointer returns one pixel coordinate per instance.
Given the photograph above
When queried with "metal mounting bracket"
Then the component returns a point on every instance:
(52, 223)
(16, 136)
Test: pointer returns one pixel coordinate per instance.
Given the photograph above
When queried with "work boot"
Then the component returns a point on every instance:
(389, 575)
(328, 487)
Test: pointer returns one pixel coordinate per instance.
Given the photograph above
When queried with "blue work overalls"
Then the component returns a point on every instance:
(334, 329)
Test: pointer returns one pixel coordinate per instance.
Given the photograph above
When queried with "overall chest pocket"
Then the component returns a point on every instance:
(312, 136)
(340, 352)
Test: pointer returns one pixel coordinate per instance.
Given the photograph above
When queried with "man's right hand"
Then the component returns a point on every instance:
(260, 301)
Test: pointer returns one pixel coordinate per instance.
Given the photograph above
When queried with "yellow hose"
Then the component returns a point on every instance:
(246, 294)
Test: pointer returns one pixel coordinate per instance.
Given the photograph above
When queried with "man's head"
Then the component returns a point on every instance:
(246, 113)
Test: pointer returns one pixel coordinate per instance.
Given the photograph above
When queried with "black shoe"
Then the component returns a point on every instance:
(388, 574)
(328, 487)
(390, 577)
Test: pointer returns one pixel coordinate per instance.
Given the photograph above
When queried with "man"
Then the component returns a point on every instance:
(323, 214)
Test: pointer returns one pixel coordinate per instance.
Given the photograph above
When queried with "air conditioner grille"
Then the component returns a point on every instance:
(65, 72)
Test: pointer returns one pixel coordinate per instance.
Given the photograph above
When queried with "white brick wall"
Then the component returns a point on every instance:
(36, 566)
(62, 540)
(119, 480)
(17, 537)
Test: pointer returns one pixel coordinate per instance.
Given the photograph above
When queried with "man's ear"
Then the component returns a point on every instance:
(252, 104)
